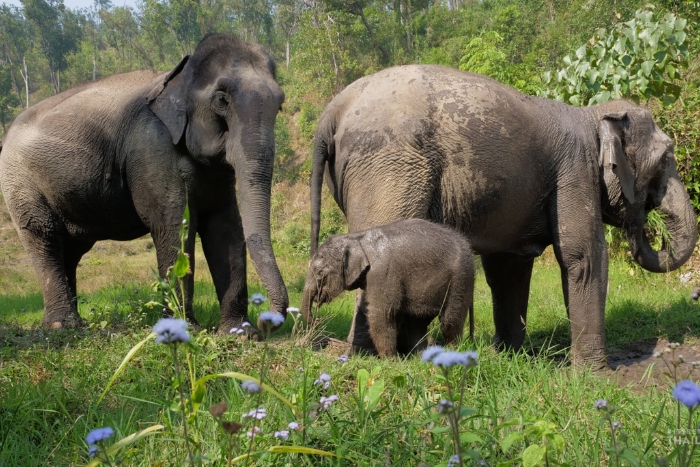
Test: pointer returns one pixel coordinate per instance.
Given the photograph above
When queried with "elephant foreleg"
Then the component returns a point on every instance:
(508, 275)
(72, 252)
(167, 242)
(225, 250)
(359, 338)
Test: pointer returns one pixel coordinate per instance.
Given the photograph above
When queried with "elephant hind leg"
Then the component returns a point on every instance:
(46, 250)
(508, 276)
(73, 251)
(413, 335)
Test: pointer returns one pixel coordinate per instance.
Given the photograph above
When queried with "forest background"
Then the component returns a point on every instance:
(547, 47)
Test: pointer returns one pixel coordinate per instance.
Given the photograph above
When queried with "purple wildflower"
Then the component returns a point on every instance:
(687, 393)
(251, 386)
(253, 432)
(431, 352)
(293, 426)
(271, 317)
(325, 378)
(454, 461)
(600, 404)
(450, 358)
(99, 434)
(171, 330)
(326, 402)
(445, 406)
(257, 299)
(237, 331)
(343, 358)
(283, 435)
(259, 413)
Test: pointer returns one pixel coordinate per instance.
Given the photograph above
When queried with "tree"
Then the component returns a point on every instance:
(16, 40)
(638, 59)
(59, 32)
(8, 100)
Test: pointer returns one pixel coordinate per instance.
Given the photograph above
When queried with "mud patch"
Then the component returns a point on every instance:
(636, 364)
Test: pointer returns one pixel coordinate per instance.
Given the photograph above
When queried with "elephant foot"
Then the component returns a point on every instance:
(504, 345)
(589, 354)
(71, 322)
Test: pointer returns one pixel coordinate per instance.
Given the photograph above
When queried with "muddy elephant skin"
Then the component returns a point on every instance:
(515, 173)
(410, 272)
(119, 157)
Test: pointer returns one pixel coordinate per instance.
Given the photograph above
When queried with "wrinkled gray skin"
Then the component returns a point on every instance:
(515, 173)
(410, 272)
(117, 158)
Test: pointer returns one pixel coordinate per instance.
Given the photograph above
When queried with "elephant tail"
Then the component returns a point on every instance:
(320, 156)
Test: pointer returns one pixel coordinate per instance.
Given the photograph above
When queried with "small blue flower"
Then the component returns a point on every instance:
(687, 393)
(450, 358)
(326, 402)
(293, 309)
(251, 386)
(445, 406)
(293, 426)
(454, 461)
(259, 413)
(324, 379)
(275, 319)
(93, 450)
(253, 432)
(257, 299)
(696, 294)
(99, 434)
(283, 435)
(431, 352)
(616, 425)
(237, 331)
(170, 330)
(600, 404)
(343, 358)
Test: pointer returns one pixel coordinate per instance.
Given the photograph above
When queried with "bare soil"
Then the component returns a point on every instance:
(637, 366)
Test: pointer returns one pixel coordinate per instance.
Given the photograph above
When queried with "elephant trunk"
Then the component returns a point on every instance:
(317, 169)
(681, 224)
(254, 179)
(307, 301)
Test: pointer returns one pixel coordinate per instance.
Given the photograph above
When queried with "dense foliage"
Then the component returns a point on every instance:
(582, 51)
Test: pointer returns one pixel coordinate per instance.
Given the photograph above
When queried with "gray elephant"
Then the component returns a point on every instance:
(410, 271)
(120, 157)
(515, 173)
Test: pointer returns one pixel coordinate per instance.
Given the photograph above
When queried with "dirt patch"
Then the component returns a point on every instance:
(637, 365)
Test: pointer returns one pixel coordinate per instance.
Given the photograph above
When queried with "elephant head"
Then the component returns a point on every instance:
(221, 104)
(339, 264)
(638, 171)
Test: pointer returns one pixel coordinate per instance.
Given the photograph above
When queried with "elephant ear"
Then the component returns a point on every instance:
(612, 155)
(355, 265)
(167, 101)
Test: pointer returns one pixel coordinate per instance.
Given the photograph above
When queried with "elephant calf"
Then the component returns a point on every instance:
(410, 271)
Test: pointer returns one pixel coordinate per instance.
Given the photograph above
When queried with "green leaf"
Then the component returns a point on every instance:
(646, 67)
(680, 37)
(630, 457)
(362, 378)
(399, 381)
(468, 437)
(581, 51)
(244, 377)
(131, 439)
(197, 395)
(534, 455)
(509, 440)
(374, 394)
(123, 364)
(626, 60)
(181, 266)
(440, 429)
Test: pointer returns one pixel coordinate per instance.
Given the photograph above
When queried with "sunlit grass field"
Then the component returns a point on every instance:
(50, 381)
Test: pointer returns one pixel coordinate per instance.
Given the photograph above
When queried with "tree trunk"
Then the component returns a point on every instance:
(357, 9)
(286, 52)
(25, 77)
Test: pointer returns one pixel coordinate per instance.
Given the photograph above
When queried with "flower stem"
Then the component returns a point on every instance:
(178, 372)
(263, 367)
(453, 417)
(104, 452)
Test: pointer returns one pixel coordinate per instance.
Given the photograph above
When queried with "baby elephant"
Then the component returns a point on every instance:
(410, 271)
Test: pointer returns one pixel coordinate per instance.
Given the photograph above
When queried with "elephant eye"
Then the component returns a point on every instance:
(220, 101)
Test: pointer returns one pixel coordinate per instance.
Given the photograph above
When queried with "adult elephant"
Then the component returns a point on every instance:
(515, 173)
(120, 157)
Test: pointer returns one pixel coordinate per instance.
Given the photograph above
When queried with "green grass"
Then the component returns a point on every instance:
(50, 380)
